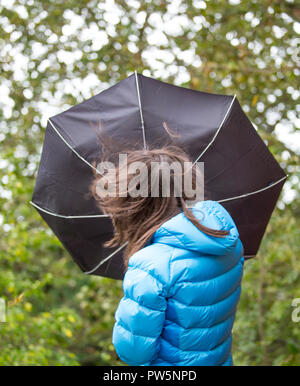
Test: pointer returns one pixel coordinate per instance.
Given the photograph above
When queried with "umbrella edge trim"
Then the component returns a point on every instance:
(63, 216)
(104, 260)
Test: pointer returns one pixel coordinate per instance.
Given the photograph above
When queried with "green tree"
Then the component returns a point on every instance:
(57, 53)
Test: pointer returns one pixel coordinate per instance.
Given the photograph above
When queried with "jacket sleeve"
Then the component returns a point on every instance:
(139, 317)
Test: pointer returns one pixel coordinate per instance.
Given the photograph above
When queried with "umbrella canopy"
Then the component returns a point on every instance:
(240, 171)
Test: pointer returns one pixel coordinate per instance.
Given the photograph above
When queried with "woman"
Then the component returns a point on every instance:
(183, 268)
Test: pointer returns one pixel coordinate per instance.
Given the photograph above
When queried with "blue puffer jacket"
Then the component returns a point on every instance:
(180, 294)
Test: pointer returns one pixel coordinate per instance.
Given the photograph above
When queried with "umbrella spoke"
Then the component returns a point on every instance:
(73, 150)
(255, 192)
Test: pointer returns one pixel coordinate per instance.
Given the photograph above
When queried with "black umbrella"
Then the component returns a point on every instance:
(240, 171)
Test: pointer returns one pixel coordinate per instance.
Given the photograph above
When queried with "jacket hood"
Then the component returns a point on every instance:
(180, 232)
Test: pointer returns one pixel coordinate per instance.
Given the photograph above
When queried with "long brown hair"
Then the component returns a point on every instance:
(135, 219)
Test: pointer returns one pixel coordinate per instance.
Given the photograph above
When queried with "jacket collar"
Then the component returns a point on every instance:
(182, 233)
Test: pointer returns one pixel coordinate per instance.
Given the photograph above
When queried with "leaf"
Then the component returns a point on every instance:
(254, 100)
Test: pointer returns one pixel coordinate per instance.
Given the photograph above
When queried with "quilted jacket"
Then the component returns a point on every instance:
(180, 294)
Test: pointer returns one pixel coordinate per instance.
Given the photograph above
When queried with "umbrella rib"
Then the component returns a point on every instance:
(251, 193)
(63, 216)
(255, 192)
(73, 150)
(140, 108)
(217, 132)
(107, 258)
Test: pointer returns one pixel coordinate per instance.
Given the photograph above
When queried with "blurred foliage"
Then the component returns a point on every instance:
(55, 314)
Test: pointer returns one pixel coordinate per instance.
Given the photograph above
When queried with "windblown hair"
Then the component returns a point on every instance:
(135, 219)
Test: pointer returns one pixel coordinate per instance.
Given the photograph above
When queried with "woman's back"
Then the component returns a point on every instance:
(181, 293)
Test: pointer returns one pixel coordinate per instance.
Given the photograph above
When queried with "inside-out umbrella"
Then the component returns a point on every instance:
(240, 171)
